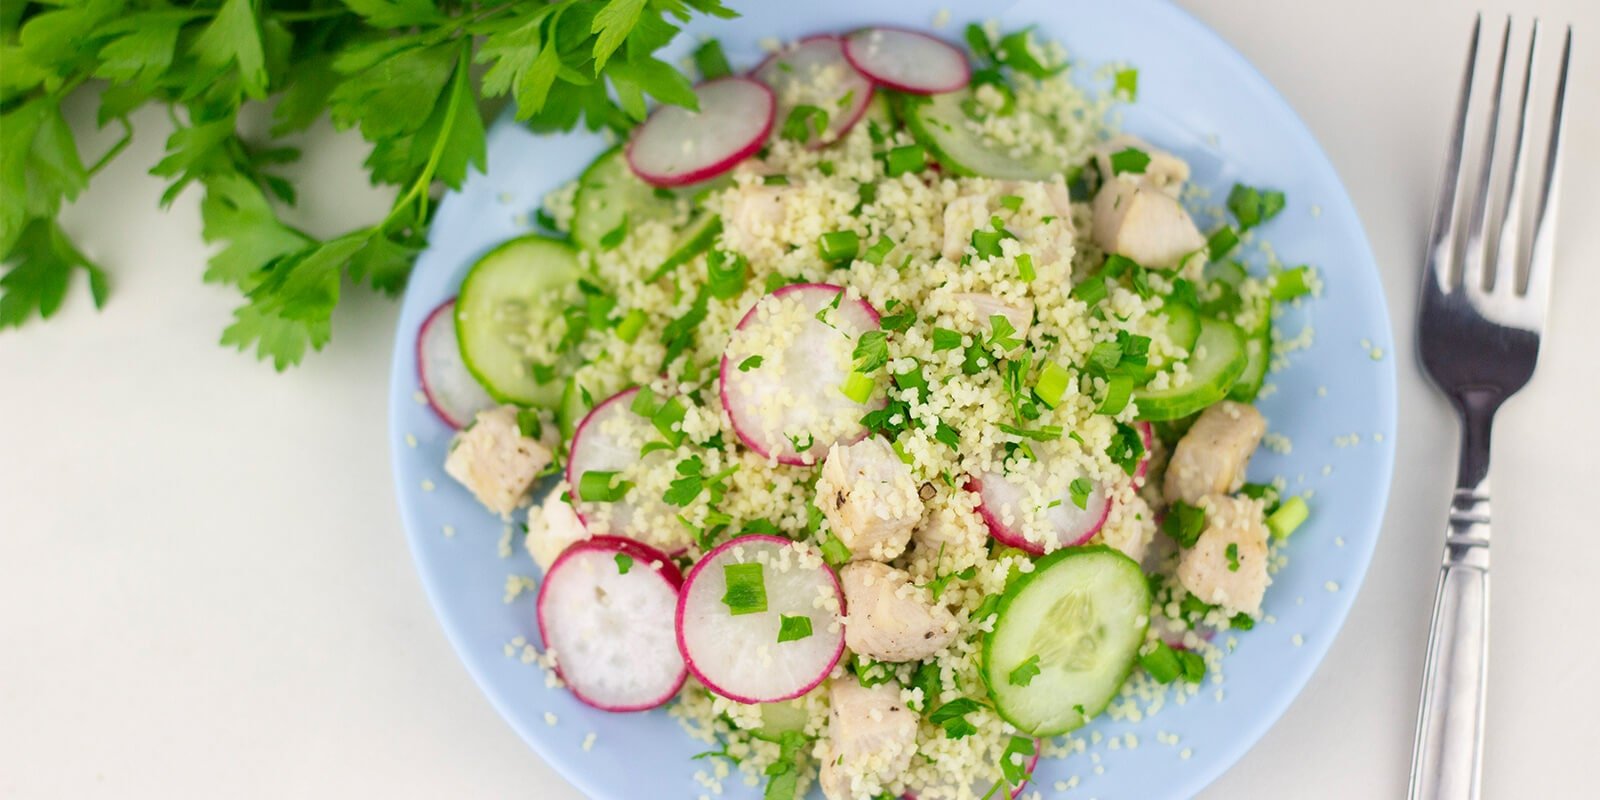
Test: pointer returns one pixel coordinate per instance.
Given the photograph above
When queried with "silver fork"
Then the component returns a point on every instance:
(1481, 316)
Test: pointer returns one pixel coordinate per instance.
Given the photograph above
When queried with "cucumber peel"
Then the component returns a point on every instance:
(939, 123)
(1219, 358)
(499, 299)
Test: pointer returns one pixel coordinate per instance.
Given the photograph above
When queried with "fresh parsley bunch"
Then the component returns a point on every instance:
(400, 71)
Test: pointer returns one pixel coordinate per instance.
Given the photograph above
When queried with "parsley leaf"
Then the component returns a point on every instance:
(1025, 672)
(952, 717)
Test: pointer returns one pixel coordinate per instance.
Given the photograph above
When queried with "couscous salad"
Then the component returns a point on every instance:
(897, 412)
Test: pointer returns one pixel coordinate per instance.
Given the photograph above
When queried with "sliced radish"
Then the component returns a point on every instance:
(451, 390)
(604, 612)
(738, 655)
(609, 440)
(1147, 432)
(1003, 500)
(907, 61)
(790, 405)
(982, 789)
(815, 73)
(676, 146)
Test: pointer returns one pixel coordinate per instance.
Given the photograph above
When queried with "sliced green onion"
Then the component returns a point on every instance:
(1025, 268)
(1125, 83)
(726, 274)
(1252, 206)
(1289, 516)
(1118, 389)
(645, 403)
(1222, 242)
(671, 412)
(597, 487)
(632, 323)
(528, 424)
(878, 251)
(803, 123)
(1232, 554)
(775, 180)
(1162, 663)
(1194, 667)
(858, 387)
(793, 628)
(1291, 283)
(838, 245)
(1052, 384)
(1079, 489)
(747, 589)
(904, 159)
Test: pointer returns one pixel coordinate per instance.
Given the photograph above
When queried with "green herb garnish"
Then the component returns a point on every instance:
(747, 589)
(596, 486)
(793, 628)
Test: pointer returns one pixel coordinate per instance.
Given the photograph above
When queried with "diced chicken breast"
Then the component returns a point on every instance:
(962, 216)
(984, 306)
(1047, 243)
(869, 497)
(951, 530)
(552, 527)
(753, 215)
(493, 459)
(1211, 458)
(1165, 171)
(1227, 566)
(888, 618)
(1143, 223)
(871, 739)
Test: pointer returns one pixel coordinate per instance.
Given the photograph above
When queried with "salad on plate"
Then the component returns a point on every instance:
(885, 417)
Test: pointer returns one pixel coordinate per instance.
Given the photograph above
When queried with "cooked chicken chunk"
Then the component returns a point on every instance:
(871, 738)
(869, 497)
(952, 530)
(552, 527)
(1048, 242)
(1165, 171)
(1138, 220)
(888, 618)
(1212, 456)
(1227, 567)
(493, 459)
(985, 306)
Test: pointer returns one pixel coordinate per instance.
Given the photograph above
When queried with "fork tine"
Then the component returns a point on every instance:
(1508, 251)
(1438, 266)
(1541, 261)
(1472, 266)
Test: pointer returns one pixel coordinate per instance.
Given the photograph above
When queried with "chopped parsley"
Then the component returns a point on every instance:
(905, 158)
(750, 363)
(1222, 242)
(710, 60)
(871, 351)
(1253, 206)
(747, 589)
(1079, 489)
(1014, 762)
(1131, 160)
(946, 339)
(804, 123)
(1162, 663)
(1184, 523)
(528, 425)
(1011, 202)
(927, 679)
(624, 563)
(1232, 553)
(1025, 672)
(952, 717)
(1126, 448)
(1001, 332)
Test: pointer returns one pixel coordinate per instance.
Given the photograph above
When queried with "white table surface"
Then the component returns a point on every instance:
(204, 588)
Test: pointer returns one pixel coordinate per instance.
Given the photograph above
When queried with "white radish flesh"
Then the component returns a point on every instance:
(790, 404)
(739, 656)
(815, 73)
(609, 440)
(1005, 502)
(451, 390)
(605, 610)
(676, 146)
(907, 61)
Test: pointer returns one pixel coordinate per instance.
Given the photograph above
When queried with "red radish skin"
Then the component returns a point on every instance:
(1147, 432)
(736, 404)
(453, 394)
(686, 617)
(646, 561)
(821, 48)
(735, 113)
(1005, 535)
(907, 61)
(590, 450)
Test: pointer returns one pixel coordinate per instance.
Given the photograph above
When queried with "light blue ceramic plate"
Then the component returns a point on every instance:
(1335, 401)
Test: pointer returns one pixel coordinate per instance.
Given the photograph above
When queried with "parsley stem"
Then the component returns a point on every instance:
(419, 189)
(116, 149)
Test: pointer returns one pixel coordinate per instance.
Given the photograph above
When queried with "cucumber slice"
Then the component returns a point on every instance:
(1219, 358)
(939, 124)
(572, 409)
(782, 717)
(694, 240)
(500, 302)
(1082, 612)
(610, 197)
(1182, 325)
(1258, 354)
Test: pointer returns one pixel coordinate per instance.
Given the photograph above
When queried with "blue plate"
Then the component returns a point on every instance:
(1335, 401)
